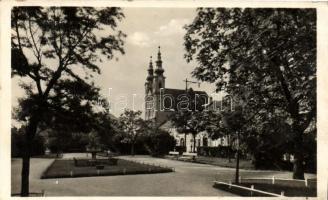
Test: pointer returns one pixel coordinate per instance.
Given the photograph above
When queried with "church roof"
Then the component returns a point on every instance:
(177, 92)
(171, 98)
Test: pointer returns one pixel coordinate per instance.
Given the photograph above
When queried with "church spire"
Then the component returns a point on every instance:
(159, 54)
(150, 70)
(159, 70)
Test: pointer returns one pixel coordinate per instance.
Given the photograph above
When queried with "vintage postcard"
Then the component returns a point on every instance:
(164, 99)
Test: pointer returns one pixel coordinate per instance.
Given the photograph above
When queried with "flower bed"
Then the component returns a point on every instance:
(67, 169)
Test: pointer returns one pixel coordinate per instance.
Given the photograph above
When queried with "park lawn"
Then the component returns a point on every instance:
(62, 168)
(290, 189)
(222, 162)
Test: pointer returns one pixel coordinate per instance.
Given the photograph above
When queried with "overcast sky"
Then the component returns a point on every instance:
(146, 29)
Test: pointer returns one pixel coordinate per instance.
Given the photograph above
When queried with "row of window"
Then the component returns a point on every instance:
(205, 142)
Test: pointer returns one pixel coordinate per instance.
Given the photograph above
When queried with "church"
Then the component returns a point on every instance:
(161, 103)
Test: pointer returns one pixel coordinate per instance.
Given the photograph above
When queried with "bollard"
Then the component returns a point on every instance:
(229, 184)
(272, 179)
(71, 173)
(43, 193)
(98, 172)
(239, 179)
(282, 193)
(124, 170)
(306, 182)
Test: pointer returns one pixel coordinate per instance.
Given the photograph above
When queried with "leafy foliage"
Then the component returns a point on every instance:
(156, 141)
(132, 126)
(55, 51)
(266, 60)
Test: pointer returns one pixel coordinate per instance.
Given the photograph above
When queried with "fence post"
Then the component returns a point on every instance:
(252, 188)
(239, 179)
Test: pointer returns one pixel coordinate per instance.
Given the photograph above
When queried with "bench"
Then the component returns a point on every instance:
(174, 153)
(188, 155)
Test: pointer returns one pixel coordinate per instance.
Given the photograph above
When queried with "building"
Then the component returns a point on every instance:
(162, 102)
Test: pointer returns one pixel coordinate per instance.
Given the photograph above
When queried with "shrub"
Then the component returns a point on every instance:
(220, 151)
(159, 143)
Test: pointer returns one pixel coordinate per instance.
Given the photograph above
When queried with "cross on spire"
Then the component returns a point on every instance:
(151, 63)
(159, 70)
(159, 53)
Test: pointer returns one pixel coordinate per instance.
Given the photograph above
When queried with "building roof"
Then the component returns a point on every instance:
(171, 98)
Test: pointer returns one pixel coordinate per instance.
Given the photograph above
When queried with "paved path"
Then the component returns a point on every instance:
(189, 179)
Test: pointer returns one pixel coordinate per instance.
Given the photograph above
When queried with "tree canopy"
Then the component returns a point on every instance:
(56, 52)
(265, 58)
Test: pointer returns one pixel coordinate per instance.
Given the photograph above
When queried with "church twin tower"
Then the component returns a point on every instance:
(154, 82)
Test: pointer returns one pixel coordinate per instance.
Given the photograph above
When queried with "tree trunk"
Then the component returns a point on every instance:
(194, 149)
(25, 176)
(29, 136)
(237, 160)
(93, 155)
(132, 149)
(298, 169)
(185, 142)
(229, 149)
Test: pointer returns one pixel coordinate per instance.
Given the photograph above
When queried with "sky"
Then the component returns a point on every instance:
(122, 80)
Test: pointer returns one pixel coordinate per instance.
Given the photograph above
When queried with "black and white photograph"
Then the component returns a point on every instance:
(194, 101)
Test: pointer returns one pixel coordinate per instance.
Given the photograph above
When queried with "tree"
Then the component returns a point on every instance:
(94, 144)
(234, 122)
(215, 128)
(189, 117)
(156, 141)
(55, 49)
(189, 122)
(132, 127)
(272, 52)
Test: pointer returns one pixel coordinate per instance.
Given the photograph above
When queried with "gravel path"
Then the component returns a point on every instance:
(189, 179)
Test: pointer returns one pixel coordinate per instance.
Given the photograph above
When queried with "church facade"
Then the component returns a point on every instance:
(162, 102)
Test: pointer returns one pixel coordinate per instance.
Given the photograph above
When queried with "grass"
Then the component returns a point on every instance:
(66, 169)
(290, 189)
(49, 156)
(222, 162)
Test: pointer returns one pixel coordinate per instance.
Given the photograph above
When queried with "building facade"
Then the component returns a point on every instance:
(161, 102)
